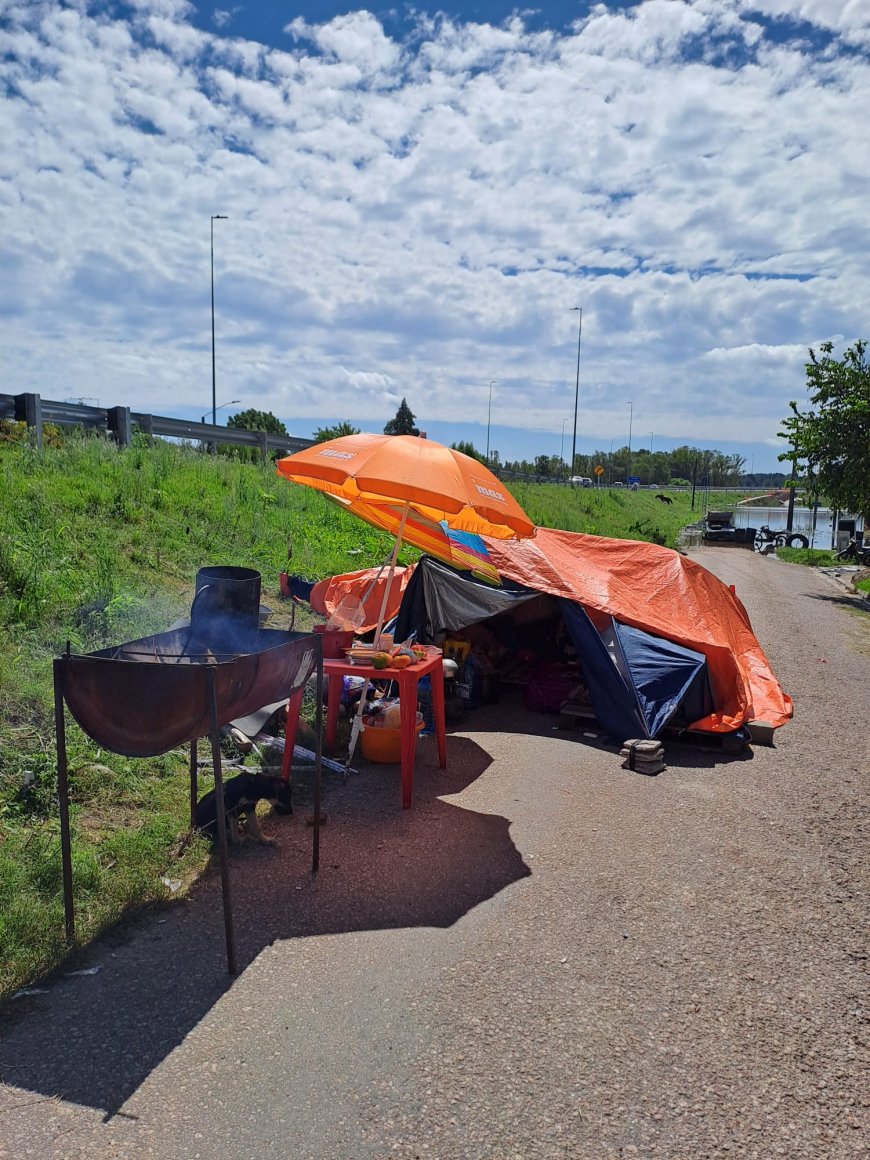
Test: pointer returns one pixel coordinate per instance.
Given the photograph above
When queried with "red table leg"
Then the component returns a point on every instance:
(333, 703)
(408, 720)
(436, 679)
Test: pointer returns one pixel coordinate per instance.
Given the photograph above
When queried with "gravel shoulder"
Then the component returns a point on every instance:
(548, 956)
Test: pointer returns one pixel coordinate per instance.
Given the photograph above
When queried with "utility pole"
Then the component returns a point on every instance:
(576, 391)
(215, 217)
(789, 523)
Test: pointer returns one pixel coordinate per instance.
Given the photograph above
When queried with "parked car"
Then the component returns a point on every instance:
(580, 481)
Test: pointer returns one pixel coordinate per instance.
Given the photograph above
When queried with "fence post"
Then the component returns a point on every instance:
(264, 446)
(120, 425)
(28, 409)
(146, 425)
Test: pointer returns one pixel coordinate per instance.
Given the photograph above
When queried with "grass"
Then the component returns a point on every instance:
(811, 557)
(623, 514)
(102, 545)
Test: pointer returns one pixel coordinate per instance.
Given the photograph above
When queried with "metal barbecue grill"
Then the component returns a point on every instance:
(145, 697)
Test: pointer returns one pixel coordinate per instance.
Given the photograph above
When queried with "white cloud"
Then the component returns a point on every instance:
(415, 219)
(847, 18)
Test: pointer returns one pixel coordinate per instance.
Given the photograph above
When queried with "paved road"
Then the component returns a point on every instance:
(548, 957)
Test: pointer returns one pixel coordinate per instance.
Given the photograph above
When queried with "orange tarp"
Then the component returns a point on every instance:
(327, 595)
(643, 585)
(659, 591)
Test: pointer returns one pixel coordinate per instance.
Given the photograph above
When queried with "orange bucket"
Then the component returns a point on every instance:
(384, 745)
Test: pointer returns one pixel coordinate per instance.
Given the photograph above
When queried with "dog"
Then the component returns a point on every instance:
(665, 498)
(241, 795)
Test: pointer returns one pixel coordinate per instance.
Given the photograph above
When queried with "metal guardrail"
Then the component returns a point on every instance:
(120, 421)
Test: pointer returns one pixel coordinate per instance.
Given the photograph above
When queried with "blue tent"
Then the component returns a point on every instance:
(637, 682)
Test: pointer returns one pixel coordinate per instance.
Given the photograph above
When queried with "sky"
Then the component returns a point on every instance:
(442, 204)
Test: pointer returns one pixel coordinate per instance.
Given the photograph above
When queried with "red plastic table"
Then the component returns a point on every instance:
(407, 680)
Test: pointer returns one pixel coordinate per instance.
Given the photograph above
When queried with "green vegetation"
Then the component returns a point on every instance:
(343, 428)
(832, 437)
(254, 420)
(683, 464)
(812, 557)
(627, 515)
(402, 423)
(102, 545)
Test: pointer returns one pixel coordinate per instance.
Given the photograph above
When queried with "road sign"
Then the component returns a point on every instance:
(598, 469)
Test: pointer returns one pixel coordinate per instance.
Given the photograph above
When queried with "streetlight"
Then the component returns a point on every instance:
(231, 403)
(215, 217)
(630, 413)
(492, 383)
(576, 389)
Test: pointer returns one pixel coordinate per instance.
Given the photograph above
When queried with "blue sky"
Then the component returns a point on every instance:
(417, 197)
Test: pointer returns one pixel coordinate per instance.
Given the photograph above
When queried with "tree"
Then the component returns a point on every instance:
(253, 420)
(469, 449)
(833, 437)
(403, 424)
(343, 428)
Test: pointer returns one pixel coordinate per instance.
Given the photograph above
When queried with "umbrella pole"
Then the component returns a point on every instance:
(391, 572)
(360, 709)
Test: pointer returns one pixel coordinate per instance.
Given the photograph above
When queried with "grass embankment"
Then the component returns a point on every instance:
(102, 545)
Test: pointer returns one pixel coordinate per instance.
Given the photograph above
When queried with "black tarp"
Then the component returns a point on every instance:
(637, 682)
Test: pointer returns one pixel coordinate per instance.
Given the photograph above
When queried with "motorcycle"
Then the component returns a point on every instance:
(855, 552)
(765, 539)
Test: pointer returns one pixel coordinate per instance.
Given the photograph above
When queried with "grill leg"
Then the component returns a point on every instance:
(194, 789)
(63, 802)
(221, 826)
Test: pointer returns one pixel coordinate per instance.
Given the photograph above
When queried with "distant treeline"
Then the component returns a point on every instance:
(685, 465)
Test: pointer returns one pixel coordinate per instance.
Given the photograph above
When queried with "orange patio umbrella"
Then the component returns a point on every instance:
(434, 481)
(438, 482)
(459, 549)
(412, 474)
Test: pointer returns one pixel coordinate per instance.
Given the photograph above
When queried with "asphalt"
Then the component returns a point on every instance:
(548, 956)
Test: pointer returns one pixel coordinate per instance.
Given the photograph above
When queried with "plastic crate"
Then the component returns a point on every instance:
(384, 745)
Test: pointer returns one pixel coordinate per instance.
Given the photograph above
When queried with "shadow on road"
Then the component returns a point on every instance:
(848, 600)
(93, 1039)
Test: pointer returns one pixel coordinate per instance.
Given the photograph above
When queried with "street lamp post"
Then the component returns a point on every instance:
(215, 217)
(630, 414)
(576, 390)
(215, 410)
(492, 383)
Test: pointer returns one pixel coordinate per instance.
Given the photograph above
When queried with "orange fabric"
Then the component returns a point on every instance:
(327, 595)
(664, 593)
(442, 484)
(654, 589)
(423, 533)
